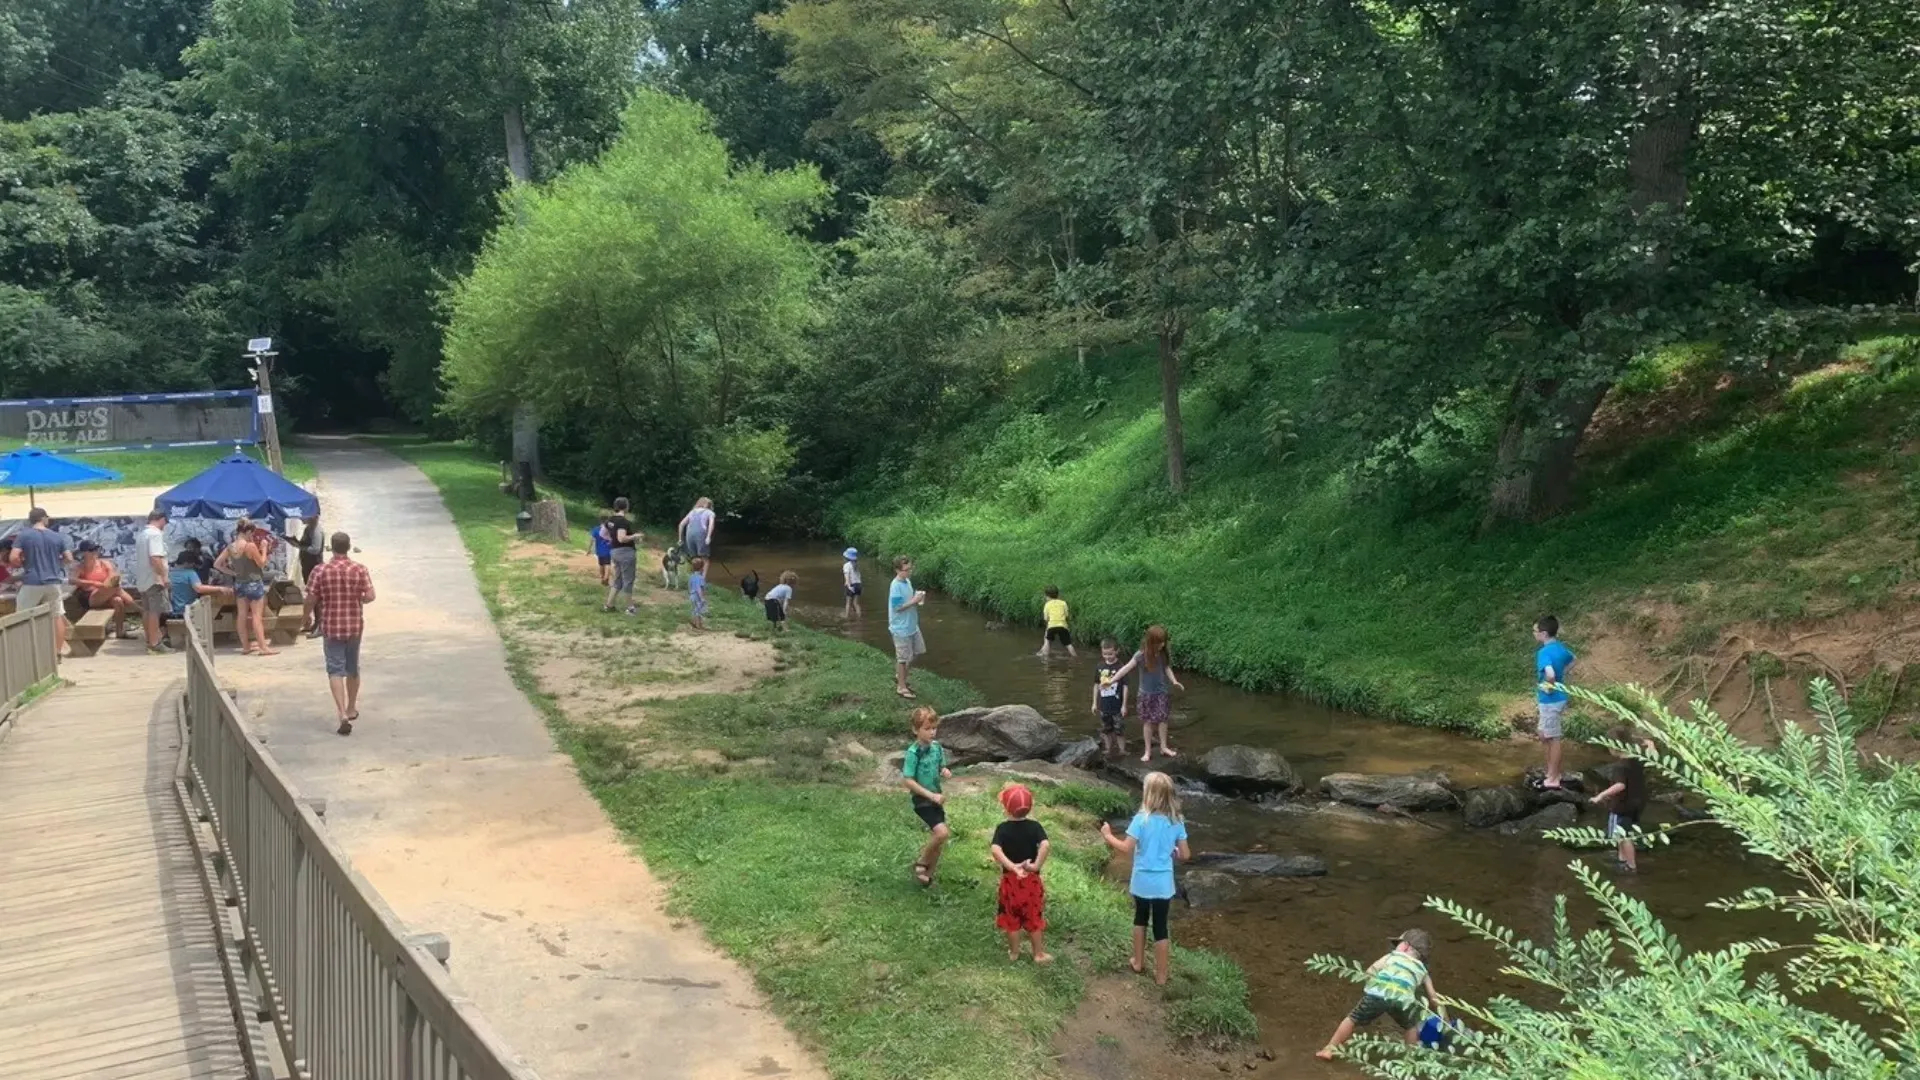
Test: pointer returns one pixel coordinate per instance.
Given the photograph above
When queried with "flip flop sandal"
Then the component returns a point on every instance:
(345, 728)
(908, 694)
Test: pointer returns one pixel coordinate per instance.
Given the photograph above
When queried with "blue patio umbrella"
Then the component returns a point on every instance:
(238, 486)
(29, 467)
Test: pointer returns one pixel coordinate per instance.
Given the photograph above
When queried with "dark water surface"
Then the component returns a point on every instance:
(1380, 869)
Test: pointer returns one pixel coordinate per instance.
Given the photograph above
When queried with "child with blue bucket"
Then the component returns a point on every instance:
(1394, 986)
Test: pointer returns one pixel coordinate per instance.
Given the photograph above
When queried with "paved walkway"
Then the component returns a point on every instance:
(107, 959)
(452, 800)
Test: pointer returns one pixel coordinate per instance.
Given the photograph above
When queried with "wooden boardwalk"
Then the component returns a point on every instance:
(108, 964)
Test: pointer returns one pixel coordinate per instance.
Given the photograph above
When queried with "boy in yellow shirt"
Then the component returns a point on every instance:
(1054, 611)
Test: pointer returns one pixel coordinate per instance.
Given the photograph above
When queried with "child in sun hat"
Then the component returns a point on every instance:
(1394, 985)
(850, 574)
(1020, 847)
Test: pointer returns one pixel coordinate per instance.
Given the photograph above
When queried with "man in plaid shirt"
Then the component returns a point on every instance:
(337, 589)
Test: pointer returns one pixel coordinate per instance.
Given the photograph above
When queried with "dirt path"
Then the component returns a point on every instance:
(453, 801)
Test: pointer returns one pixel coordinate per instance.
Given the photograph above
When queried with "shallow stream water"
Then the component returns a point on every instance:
(1380, 869)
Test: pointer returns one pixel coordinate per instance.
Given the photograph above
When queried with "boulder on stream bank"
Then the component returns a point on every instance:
(1556, 816)
(998, 733)
(1205, 889)
(1260, 864)
(1248, 770)
(1485, 807)
(1047, 774)
(1419, 791)
(1079, 754)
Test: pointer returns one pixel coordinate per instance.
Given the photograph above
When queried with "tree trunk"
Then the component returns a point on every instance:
(1534, 464)
(519, 152)
(1173, 333)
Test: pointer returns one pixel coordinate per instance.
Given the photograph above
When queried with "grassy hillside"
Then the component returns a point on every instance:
(1705, 498)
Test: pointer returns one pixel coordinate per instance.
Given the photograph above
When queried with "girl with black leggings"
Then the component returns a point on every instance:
(1156, 838)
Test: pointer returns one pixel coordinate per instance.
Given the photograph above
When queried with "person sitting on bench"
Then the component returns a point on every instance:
(184, 585)
(96, 584)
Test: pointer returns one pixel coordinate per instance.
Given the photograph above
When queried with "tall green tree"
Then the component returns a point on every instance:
(366, 145)
(645, 296)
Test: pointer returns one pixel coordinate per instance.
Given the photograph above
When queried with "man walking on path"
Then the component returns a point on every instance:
(43, 555)
(1551, 665)
(903, 622)
(150, 579)
(696, 529)
(337, 589)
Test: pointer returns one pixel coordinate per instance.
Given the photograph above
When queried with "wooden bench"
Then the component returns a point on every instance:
(89, 631)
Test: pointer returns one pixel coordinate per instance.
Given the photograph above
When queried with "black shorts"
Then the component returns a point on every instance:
(853, 589)
(1110, 721)
(1059, 635)
(604, 560)
(775, 612)
(1622, 821)
(930, 812)
(1372, 1007)
(1152, 912)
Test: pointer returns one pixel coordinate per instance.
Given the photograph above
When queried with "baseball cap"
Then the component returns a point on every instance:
(850, 554)
(1016, 799)
(1422, 943)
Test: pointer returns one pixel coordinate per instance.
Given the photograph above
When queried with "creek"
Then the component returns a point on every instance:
(1380, 869)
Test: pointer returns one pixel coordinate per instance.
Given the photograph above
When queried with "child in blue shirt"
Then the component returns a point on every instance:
(1551, 665)
(603, 549)
(697, 593)
(1156, 839)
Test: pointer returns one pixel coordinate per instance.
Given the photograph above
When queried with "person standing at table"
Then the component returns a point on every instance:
(42, 555)
(337, 592)
(150, 579)
(313, 548)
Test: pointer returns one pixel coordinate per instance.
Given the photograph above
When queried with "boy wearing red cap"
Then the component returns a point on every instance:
(1021, 847)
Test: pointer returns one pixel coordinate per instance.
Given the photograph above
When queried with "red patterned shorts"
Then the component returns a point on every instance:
(1023, 902)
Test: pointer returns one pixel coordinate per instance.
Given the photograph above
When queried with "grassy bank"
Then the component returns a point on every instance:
(1705, 501)
(165, 468)
(755, 809)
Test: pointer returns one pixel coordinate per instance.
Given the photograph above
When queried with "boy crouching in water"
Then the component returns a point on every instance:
(1393, 983)
(1021, 847)
(922, 770)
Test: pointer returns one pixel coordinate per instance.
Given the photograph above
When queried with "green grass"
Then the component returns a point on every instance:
(1286, 568)
(799, 869)
(165, 468)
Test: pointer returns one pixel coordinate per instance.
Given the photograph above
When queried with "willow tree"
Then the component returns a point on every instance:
(640, 298)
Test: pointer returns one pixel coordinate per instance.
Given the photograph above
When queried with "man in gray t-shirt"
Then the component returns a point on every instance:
(42, 556)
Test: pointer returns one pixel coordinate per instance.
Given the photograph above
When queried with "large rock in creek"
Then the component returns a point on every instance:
(1000, 733)
(1079, 754)
(1208, 888)
(1420, 791)
(1248, 770)
(1261, 864)
(1046, 774)
(1486, 807)
(1556, 816)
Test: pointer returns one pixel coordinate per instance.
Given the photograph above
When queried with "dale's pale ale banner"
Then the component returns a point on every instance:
(133, 421)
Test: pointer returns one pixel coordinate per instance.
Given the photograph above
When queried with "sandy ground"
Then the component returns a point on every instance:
(452, 800)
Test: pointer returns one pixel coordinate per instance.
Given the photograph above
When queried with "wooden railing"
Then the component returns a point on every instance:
(350, 993)
(27, 657)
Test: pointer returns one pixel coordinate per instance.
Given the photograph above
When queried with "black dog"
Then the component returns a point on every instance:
(750, 585)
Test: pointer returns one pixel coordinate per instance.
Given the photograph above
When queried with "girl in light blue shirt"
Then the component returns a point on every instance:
(1156, 839)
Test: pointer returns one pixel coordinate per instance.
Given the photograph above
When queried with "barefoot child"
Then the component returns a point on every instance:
(779, 599)
(1626, 797)
(1393, 983)
(925, 766)
(850, 579)
(1155, 839)
(1021, 847)
(697, 593)
(1054, 611)
(603, 549)
(1551, 664)
(1110, 700)
(1156, 674)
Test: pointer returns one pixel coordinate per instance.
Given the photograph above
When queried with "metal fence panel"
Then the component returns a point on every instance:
(351, 996)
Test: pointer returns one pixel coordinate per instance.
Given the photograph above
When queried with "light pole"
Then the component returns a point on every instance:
(260, 354)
